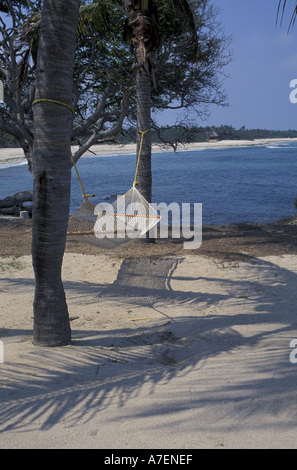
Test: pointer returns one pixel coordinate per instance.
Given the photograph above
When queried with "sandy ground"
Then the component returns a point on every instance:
(9, 156)
(171, 348)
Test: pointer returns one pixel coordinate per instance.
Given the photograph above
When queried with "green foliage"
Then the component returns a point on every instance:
(10, 265)
(5, 9)
(190, 134)
(101, 57)
(190, 76)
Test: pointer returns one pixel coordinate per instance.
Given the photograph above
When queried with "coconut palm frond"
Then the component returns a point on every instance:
(293, 18)
(26, 40)
(183, 10)
(29, 31)
(93, 16)
(281, 11)
(183, 7)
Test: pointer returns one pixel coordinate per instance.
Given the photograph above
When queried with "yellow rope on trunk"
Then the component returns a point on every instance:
(45, 100)
(139, 153)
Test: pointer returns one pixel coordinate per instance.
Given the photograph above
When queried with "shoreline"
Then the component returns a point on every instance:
(233, 242)
(14, 156)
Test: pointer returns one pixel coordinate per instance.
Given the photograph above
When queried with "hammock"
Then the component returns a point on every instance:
(130, 216)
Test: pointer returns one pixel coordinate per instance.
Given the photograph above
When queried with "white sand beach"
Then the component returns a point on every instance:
(178, 352)
(16, 155)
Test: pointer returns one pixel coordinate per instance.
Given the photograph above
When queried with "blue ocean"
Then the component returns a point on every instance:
(249, 184)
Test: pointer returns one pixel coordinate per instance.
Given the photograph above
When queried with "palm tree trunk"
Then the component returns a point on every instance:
(143, 97)
(140, 23)
(52, 169)
(142, 28)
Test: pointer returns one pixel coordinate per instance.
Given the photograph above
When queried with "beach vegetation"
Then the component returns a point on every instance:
(187, 134)
(14, 264)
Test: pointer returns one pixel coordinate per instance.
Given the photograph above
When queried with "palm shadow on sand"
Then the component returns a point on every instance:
(73, 384)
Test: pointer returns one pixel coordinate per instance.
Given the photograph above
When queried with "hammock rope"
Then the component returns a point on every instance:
(85, 196)
(139, 153)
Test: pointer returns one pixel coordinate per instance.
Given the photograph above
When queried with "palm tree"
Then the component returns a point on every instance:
(142, 27)
(52, 168)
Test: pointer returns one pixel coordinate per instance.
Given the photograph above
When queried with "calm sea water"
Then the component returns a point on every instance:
(253, 184)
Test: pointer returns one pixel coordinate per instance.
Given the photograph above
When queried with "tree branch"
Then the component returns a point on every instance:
(81, 129)
(11, 129)
(105, 135)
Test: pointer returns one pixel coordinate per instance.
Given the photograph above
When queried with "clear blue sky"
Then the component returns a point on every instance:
(264, 63)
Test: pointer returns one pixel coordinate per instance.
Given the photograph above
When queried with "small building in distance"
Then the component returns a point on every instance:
(212, 136)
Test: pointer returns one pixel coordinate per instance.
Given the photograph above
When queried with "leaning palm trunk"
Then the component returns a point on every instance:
(52, 169)
(143, 97)
(142, 28)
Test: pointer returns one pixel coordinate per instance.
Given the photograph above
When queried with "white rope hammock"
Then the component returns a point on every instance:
(130, 216)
